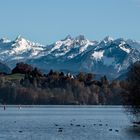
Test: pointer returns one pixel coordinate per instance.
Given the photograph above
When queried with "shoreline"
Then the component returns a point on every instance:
(64, 106)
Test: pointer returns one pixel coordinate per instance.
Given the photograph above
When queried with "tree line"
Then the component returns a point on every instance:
(58, 88)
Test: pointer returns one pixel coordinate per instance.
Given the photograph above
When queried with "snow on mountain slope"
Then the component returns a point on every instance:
(98, 55)
(19, 49)
(108, 56)
(22, 45)
(4, 40)
(135, 44)
(63, 47)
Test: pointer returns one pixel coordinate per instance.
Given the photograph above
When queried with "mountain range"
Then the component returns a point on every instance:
(110, 57)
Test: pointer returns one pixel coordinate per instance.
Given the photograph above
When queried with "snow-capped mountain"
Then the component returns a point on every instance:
(108, 56)
(18, 50)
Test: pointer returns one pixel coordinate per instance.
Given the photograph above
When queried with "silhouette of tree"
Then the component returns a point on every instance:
(22, 68)
(132, 95)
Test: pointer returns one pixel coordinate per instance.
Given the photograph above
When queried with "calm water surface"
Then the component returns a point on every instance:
(66, 123)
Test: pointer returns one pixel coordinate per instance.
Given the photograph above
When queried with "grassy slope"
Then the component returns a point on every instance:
(14, 76)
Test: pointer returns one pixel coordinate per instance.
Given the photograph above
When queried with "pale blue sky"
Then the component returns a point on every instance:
(46, 21)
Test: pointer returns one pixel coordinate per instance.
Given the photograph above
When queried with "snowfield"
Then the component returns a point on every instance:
(66, 123)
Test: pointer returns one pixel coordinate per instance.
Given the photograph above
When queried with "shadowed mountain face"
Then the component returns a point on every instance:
(106, 57)
(4, 68)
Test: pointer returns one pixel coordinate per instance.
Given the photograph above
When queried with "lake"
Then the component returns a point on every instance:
(66, 123)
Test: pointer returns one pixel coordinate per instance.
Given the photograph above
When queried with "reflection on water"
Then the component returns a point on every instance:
(134, 130)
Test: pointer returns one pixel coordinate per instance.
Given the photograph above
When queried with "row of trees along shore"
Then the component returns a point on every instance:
(34, 87)
(28, 85)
